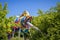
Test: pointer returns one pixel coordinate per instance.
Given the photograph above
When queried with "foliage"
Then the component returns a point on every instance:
(5, 23)
(48, 23)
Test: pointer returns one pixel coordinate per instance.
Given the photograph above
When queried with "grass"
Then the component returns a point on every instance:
(16, 38)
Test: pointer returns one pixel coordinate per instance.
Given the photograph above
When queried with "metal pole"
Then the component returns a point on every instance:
(13, 32)
(19, 33)
(24, 36)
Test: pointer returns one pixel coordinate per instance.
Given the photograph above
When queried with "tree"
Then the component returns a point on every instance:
(5, 23)
(40, 12)
(3, 13)
(49, 24)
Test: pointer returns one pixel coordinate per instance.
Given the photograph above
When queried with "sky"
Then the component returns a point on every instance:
(16, 7)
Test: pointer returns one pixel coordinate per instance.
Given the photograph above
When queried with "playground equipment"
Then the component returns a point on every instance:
(24, 20)
(33, 26)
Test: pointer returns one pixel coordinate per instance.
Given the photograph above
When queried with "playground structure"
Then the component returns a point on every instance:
(24, 21)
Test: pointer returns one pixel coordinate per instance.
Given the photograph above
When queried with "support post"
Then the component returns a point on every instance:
(19, 33)
(13, 32)
(24, 36)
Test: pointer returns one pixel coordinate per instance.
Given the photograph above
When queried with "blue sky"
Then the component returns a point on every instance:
(16, 7)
